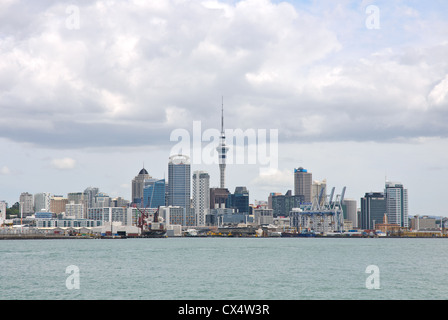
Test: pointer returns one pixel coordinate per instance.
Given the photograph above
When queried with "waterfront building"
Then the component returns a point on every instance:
(108, 214)
(138, 185)
(397, 204)
(201, 196)
(154, 193)
(263, 216)
(349, 208)
(42, 201)
(282, 205)
(303, 183)
(373, 208)
(67, 223)
(57, 204)
(177, 215)
(386, 227)
(423, 223)
(179, 181)
(239, 201)
(26, 202)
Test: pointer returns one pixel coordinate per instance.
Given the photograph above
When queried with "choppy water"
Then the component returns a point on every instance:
(224, 268)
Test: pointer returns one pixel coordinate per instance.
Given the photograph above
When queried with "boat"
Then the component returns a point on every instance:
(151, 229)
(191, 233)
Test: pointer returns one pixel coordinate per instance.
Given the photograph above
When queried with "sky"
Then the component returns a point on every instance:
(356, 91)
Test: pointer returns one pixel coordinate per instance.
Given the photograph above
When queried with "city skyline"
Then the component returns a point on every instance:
(85, 104)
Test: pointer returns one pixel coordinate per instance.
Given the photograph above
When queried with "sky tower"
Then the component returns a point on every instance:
(222, 150)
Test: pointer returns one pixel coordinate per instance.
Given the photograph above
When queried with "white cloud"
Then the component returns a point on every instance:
(5, 170)
(63, 163)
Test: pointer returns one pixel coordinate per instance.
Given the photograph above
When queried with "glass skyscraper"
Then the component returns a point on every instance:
(179, 181)
(154, 193)
(373, 208)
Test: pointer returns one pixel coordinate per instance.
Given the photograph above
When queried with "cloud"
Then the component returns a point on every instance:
(134, 71)
(63, 163)
(5, 170)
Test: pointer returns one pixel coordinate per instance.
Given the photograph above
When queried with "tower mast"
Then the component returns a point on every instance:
(222, 149)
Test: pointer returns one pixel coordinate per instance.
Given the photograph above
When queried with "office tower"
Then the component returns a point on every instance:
(396, 204)
(239, 201)
(303, 183)
(350, 211)
(42, 202)
(201, 196)
(179, 181)
(218, 197)
(138, 185)
(154, 193)
(90, 194)
(282, 205)
(316, 189)
(373, 208)
(26, 202)
(222, 150)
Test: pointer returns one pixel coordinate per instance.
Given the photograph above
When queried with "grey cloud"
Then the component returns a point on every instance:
(132, 74)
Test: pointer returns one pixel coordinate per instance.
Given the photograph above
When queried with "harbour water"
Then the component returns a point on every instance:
(224, 268)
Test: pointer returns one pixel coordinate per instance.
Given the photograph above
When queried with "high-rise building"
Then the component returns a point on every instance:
(373, 208)
(26, 202)
(90, 194)
(302, 184)
(349, 208)
(282, 204)
(138, 183)
(201, 196)
(42, 201)
(154, 193)
(75, 210)
(319, 188)
(239, 201)
(179, 181)
(222, 151)
(218, 197)
(397, 204)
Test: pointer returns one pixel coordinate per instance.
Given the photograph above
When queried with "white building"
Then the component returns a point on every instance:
(263, 216)
(396, 204)
(26, 202)
(107, 214)
(42, 201)
(201, 196)
(75, 210)
(2, 211)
